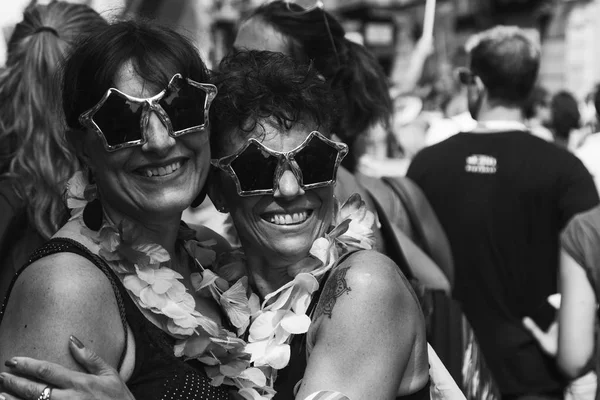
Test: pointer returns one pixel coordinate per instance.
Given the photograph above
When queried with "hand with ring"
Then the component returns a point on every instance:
(102, 382)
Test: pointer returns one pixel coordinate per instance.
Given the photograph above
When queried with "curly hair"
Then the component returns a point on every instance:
(35, 156)
(258, 85)
(356, 75)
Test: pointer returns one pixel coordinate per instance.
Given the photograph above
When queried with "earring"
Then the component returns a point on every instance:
(92, 213)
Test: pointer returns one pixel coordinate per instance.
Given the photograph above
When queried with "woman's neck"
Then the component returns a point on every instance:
(162, 231)
(267, 272)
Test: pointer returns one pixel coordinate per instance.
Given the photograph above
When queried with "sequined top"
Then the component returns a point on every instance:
(157, 374)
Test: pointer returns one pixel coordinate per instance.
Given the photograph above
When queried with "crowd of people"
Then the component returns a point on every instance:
(317, 280)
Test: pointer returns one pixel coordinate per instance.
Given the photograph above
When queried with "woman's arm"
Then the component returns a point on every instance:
(55, 297)
(577, 318)
(367, 322)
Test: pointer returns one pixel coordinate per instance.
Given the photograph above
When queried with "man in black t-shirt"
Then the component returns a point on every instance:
(502, 196)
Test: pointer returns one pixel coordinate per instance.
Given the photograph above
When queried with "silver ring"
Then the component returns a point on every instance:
(46, 394)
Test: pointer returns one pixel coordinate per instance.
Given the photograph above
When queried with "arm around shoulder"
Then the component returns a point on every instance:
(55, 297)
(366, 322)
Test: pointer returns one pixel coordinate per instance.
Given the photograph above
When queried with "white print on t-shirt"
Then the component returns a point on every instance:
(481, 164)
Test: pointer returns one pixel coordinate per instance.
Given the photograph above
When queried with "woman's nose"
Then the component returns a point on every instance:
(157, 136)
(288, 185)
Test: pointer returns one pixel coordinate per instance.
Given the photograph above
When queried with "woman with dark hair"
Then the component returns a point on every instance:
(362, 99)
(307, 285)
(314, 35)
(119, 272)
(361, 300)
(35, 160)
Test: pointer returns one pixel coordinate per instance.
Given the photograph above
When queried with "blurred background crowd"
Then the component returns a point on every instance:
(420, 45)
(429, 102)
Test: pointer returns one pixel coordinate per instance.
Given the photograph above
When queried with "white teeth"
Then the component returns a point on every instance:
(288, 219)
(161, 171)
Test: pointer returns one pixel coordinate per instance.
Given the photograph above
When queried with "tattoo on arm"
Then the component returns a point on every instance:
(335, 286)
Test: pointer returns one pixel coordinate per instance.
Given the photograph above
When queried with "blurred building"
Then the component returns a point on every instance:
(567, 29)
(389, 28)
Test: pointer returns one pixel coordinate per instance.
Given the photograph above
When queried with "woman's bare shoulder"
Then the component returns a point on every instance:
(367, 279)
(56, 296)
(62, 278)
(373, 271)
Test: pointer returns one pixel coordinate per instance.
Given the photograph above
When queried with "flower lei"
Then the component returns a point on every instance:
(249, 358)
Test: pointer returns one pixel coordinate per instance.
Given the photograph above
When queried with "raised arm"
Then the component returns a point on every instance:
(366, 322)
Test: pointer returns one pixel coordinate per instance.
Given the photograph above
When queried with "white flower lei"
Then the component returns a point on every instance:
(250, 358)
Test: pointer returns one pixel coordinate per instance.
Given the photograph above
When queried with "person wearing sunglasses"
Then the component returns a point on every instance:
(276, 166)
(313, 35)
(274, 169)
(136, 98)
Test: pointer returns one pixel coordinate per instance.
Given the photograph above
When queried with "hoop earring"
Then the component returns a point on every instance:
(93, 215)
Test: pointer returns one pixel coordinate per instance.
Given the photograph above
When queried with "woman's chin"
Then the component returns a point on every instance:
(161, 207)
(290, 249)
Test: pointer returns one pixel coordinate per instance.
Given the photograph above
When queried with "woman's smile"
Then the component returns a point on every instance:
(290, 218)
(157, 170)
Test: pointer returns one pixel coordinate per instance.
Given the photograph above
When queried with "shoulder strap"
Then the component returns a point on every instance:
(393, 248)
(8, 191)
(427, 228)
(16, 236)
(60, 245)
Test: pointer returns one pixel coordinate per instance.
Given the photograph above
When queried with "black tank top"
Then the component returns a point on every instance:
(157, 374)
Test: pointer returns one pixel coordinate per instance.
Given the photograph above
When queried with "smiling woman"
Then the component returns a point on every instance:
(136, 98)
(307, 309)
(276, 175)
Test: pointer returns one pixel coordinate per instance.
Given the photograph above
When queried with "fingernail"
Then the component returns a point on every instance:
(76, 342)
(2, 397)
(10, 363)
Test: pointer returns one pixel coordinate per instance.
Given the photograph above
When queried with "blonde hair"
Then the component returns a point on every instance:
(35, 156)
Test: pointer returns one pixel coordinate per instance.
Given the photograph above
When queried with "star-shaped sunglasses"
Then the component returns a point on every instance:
(121, 120)
(257, 169)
